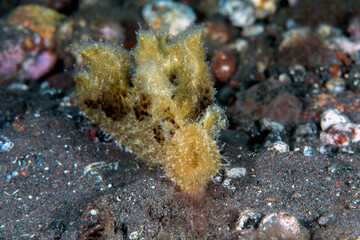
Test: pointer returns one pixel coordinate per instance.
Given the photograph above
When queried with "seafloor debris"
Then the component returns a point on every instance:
(5, 144)
(22, 55)
(166, 13)
(335, 85)
(99, 171)
(279, 146)
(354, 28)
(247, 221)
(245, 12)
(281, 226)
(337, 129)
(240, 12)
(27, 42)
(265, 8)
(224, 65)
(236, 172)
(41, 20)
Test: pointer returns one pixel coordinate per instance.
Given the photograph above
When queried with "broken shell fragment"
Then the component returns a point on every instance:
(337, 129)
(168, 14)
(240, 12)
(341, 134)
(281, 226)
(331, 117)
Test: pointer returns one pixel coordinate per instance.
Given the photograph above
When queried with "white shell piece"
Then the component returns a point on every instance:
(236, 172)
(331, 117)
(280, 146)
(240, 12)
(165, 13)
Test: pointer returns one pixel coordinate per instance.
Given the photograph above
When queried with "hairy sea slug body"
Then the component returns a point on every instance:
(164, 111)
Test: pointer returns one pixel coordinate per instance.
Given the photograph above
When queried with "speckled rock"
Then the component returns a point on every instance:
(23, 55)
(281, 226)
(335, 85)
(41, 20)
(269, 99)
(240, 12)
(285, 109)
(279, 146)
(166, 13)
(224, 65)
(246, 222)
(265, 8)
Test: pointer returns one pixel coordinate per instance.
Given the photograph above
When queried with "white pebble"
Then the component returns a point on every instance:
(264, 8)
(331, 117)
(308, 152)
(335, 85)
(134, 235)
(247, 220)
(237, 172)
(253, 30)
(93, 212)
(5, 144)
(281, 226)
(240, 12)
(165, 13)
(280, 146)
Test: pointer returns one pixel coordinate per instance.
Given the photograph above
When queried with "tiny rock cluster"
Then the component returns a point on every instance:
(165, 111)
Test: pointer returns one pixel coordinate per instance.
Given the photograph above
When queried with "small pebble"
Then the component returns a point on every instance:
(281, 226)
(224, 65)
(355, 84)
(93, 212)
(304, 130)
(18, 87)
(331, 117)
(240, 12)
(217, 32)
(247, 221)
(337, 129)
(292, 3)
(308, 152)
(341, 134)
(98, 171)
(280, 146)
(237, 172)
(227, 184)
(345, 45)
(284, 78)
(354, 28)
(5, 144)
(134, 235)
(239, 45)
(253, 30)
(165, 13)
(335, 85)
(326, 31)
(269, 125)
(264, 8)
(325, 218)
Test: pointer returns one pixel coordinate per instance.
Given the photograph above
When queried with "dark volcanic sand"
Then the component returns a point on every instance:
(45, 195)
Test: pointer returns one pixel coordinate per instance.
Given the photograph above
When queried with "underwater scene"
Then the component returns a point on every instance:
(180, 119)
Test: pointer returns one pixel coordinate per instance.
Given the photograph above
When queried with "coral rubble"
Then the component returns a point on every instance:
(165, 111)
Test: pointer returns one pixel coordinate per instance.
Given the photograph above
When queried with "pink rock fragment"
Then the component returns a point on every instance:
(338, 130)
(9, 60)
(341, 134)
(37, 67)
